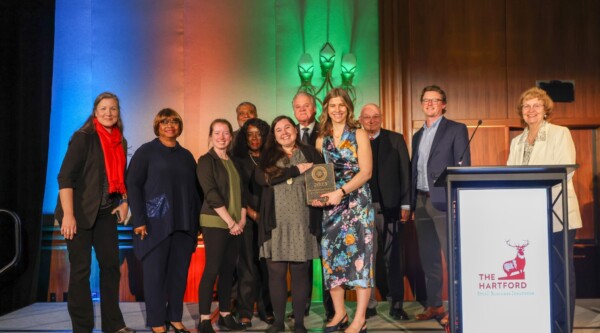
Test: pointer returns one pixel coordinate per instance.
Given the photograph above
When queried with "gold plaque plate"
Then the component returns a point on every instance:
(319, 179)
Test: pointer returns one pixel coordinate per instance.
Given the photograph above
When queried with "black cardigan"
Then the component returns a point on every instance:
(266, 220)
(83, 170)
(214, 181)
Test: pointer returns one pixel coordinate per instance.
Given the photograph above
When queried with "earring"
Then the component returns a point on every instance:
(545, 116)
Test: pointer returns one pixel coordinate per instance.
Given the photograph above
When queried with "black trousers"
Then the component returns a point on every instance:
(327, 301)
(103, 237)
(558, 277)
(165, 278)
(253, 277)
(278, 288)
(388, 243)
(432, 237)
(222, 250)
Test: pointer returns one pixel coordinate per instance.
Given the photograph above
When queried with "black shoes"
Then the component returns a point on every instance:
(175, 329)
(275, 329)
(342, 325)
(300, 329)
(371, 312)
(398, 314)
(230, 323)
(205, 326)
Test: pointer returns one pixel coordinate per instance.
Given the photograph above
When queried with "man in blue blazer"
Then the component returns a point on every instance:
(439, 144)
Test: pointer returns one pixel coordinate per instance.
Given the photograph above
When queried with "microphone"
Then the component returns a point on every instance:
(460, 160)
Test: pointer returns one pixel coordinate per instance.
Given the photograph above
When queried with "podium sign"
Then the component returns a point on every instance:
(500, 228)
(504, 260)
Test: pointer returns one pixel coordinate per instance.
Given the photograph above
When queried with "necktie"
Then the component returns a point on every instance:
(305, 135)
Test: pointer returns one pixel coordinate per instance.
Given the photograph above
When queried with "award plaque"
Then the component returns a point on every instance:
(319, 179)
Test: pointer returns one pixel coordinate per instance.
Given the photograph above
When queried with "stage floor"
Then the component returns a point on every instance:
(53, 317)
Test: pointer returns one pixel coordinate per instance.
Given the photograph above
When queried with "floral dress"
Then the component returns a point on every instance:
(347, 243)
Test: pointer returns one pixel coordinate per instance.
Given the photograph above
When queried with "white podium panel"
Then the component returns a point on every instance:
(504, 260)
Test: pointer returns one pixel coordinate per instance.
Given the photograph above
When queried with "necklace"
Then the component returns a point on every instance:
(291, 151)
(252, 158)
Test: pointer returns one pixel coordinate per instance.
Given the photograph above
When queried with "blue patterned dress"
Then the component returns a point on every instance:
(347, 243)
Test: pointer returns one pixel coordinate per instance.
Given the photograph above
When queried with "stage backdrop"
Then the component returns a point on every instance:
(201, 58)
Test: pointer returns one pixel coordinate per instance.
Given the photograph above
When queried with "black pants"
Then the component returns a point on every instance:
(222, 250)
(558, 278)
(388, 242)
(165, 278)
(103, 237)
(253, 277)
(278, 288)
(432, 236)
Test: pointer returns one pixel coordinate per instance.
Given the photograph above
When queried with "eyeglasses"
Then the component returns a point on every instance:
(431, 100)
(173, 122)
(367, 118)
(536, 107)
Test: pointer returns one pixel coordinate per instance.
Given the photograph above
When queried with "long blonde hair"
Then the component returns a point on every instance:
(326, 124)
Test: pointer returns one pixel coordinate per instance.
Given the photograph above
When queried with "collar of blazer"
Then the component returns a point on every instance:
(540, 141)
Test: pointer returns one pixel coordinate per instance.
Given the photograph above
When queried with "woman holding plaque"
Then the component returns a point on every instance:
(288, 227)
(543, 143)
(348, 217)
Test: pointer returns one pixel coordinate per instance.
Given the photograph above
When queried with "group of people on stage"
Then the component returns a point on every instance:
(247, 197)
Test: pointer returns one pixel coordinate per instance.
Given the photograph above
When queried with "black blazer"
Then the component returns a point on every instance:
(393, 172)
(266, 220)
(450, 141)
(312, 139)
(214, 181)
(83, 170)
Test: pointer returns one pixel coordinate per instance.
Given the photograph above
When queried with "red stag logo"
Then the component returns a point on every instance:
(515, 268)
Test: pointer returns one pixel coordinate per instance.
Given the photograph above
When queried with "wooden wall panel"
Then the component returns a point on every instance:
(485, 54)
(489, 145)
(584, 180)
(550, 40)
(460, 46)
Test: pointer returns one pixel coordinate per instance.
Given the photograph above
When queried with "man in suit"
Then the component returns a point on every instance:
(438, 144)
(390, 191)
(305, 109)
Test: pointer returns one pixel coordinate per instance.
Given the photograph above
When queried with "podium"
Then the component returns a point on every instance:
(500, 242)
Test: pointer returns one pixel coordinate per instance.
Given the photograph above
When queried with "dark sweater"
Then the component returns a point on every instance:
(164, 194)
(214, 181)
(266, 220)
(83, 170)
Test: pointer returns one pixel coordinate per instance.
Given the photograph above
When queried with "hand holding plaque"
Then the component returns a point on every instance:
(319, 179)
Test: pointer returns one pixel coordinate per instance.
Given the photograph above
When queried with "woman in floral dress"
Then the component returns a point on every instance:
(348, 218)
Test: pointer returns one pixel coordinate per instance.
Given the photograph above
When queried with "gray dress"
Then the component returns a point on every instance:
(291, 240)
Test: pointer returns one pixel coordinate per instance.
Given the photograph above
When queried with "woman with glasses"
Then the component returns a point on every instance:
(165, 198)
(543, 143)
(252, 274)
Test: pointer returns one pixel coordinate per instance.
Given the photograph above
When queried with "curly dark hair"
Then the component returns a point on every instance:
(240, 148)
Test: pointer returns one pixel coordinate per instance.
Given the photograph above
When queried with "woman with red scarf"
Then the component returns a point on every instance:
(92, 200)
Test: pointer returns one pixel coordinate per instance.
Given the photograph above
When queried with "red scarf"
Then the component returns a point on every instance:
(114, 157)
